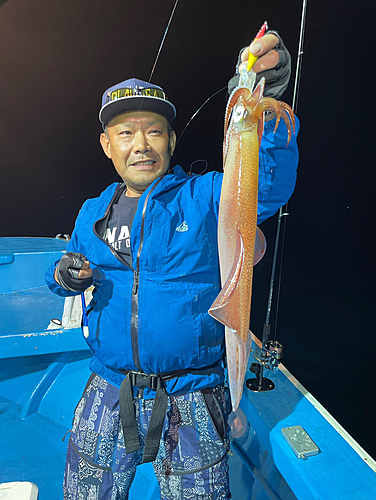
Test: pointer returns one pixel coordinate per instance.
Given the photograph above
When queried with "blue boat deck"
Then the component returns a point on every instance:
(33, 450)
(30, 449)
(43, 373)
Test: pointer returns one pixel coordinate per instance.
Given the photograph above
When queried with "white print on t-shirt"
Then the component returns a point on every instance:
(123, 238)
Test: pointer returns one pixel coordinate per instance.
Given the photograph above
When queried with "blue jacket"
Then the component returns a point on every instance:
(154, 316)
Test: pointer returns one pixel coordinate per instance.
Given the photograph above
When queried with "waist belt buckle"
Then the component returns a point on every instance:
(154, 382)
(142, 380)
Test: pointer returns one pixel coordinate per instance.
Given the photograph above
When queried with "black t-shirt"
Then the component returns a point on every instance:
(118, 232)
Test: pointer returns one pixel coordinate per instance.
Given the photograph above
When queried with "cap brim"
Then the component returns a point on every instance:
(137, 103)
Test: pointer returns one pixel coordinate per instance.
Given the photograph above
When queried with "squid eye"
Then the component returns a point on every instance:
(239, 113)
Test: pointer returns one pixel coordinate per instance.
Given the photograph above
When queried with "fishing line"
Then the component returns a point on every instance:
(155, 63)
(198, 161)
(199, 109)
(283, 210)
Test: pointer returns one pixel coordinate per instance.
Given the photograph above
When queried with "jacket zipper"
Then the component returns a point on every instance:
(136, 272)
(136, 281)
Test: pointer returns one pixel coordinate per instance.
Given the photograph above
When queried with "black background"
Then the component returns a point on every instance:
(56, 60)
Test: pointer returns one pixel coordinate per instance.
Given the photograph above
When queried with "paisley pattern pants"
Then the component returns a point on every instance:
(192, 461)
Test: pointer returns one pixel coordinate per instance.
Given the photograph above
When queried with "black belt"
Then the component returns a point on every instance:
(127, 410)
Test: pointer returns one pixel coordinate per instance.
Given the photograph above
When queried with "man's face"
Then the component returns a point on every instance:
(140, 147)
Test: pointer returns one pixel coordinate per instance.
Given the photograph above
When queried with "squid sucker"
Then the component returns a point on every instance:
(241, 243)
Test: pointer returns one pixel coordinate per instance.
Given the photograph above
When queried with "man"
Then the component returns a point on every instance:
(149, 247)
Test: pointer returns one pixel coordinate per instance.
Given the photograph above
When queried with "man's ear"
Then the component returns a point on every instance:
(105, 143)
(172, 142)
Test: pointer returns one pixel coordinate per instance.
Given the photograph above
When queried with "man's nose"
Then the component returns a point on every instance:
(141, 144)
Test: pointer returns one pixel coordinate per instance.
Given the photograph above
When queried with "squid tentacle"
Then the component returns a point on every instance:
(260, 129)
(285, 118)
(289, 113)
(269, 104)
(258, 105)
(289, 119)
(282, 110)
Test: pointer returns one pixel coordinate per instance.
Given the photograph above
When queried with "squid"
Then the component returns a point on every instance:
(241, 243)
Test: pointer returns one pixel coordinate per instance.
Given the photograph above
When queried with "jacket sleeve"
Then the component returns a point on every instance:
(277, 170)
(73, 246)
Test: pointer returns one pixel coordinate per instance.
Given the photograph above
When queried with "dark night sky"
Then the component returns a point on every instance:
(56, 60)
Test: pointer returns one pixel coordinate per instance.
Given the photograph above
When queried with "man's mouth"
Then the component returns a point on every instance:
(143, 163)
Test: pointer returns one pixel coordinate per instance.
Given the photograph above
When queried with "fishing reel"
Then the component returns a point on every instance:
(274, 350)
(268, 357)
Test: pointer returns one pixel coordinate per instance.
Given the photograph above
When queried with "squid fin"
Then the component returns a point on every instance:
(260, 246)
(220, 309)
(237, 353)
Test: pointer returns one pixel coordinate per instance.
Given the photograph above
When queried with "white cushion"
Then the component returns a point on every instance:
(18, 491)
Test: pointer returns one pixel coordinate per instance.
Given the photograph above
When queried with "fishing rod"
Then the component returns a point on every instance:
(271, 350)
(283, 210)
(163, 39)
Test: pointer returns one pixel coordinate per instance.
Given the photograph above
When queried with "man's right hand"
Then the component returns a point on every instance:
(74, 273)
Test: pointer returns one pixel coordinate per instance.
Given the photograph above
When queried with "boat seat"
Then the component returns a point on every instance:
(19, 491)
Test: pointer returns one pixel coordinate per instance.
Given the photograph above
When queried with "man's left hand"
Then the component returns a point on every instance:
(273, 64)
(263, 48)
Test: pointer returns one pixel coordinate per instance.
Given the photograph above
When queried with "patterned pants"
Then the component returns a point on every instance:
(192, 461)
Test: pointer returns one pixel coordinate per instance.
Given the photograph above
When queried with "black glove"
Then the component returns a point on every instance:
(276, 79)
(67, 272)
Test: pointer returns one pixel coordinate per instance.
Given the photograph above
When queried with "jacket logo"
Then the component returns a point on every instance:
(183, 227)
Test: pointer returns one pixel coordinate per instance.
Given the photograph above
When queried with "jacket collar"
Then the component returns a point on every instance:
(170, 180)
